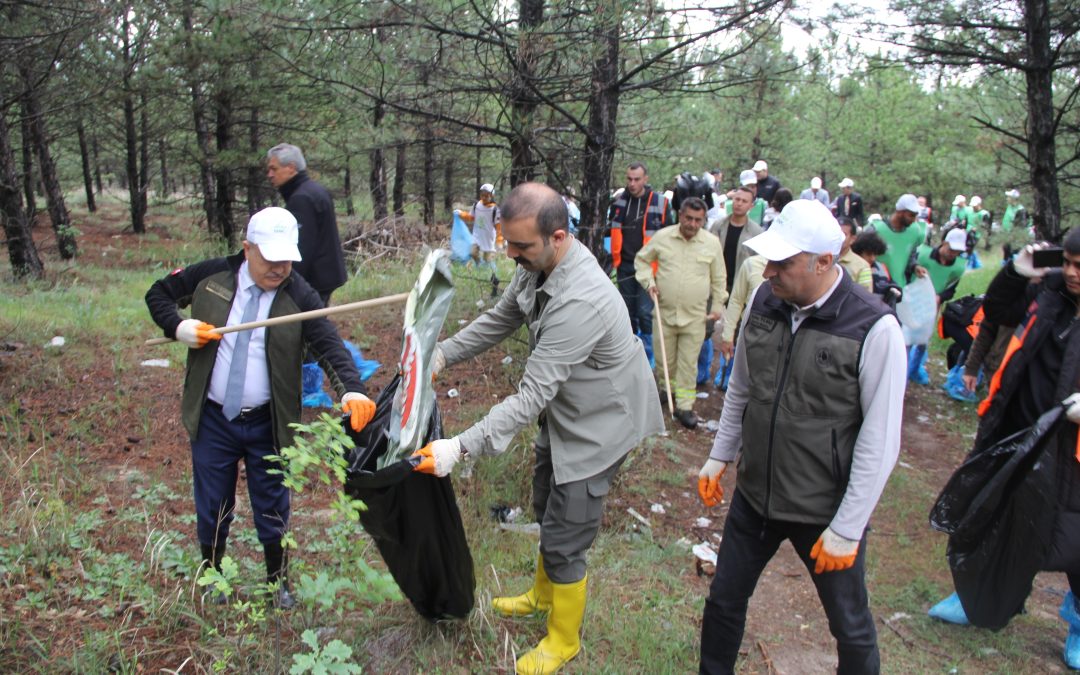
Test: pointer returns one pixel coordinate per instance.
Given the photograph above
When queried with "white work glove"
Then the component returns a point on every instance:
(438, 457)
(833, 552)
(708, 482)
(1024, 265)
(195, 333)
(1072, 408)
(438, 362)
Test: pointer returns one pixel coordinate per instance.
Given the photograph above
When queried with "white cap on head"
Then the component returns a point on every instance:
(760, 165)
(748, 177)
(804, 226)
(1014, 193)
(976, 200)
(958, 200)
(815, 183)
(487, 187)
(847, 182)
(908, 202)
(957, 239)
(275, 231)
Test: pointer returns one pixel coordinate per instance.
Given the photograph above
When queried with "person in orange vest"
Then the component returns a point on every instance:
(633, 218)
(1040, 370)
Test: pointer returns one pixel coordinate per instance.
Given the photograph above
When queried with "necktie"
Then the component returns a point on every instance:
(234, 389)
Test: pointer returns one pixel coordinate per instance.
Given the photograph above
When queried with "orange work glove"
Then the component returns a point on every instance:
(195, 333)
(708, 482)
(833, 552)
(438, 457)
(466, 216)
(360, 409)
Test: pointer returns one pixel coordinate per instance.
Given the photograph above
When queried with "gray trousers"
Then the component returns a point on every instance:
(569, 516)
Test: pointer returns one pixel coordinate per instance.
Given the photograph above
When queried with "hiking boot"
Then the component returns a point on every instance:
(687, 418)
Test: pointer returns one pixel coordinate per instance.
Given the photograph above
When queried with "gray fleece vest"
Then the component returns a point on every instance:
(803, 414)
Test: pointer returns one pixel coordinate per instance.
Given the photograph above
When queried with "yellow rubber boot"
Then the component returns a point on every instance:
(563, 641)
(536, 599)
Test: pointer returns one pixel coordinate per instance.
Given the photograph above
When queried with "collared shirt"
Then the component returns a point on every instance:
(821, 195)
(257, 378)
(858, 268)
(587, 371)
(690, 271)
(882, 379)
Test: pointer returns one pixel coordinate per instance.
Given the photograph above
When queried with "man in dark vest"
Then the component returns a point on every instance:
(634, 217)
(323, 265)
(242, 391)
(817, 421)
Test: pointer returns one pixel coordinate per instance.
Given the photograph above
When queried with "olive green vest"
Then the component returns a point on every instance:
(803, 412)
(211, 303)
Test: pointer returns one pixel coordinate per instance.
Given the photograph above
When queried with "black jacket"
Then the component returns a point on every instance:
(851, 206)
(323, 263)
(767, 188)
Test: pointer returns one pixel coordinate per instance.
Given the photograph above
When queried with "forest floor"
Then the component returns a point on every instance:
(98, 556)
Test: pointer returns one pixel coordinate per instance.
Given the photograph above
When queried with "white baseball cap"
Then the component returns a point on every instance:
(276, 232)
(957, 239)
(976, 200)
(804, 226)
(748, 177)
(815, 183)
(958, 200)
(487, 187)
(760, 165)
(847, 182)
(908, 202)
(1014, 193)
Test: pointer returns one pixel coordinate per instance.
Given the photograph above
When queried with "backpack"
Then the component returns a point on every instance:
(688, 185)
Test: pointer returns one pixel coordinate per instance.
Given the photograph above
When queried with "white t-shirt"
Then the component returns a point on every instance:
(484, 219)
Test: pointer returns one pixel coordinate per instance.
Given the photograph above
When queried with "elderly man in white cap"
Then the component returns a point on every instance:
(766, 185)
(849, 204)
(242, 391)
(815, 191)
(815, 424)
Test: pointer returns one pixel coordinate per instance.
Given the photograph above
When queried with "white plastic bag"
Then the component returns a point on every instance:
(917, 311)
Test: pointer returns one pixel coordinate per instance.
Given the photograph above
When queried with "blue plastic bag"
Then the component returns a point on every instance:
(461, 241)
(313, 395)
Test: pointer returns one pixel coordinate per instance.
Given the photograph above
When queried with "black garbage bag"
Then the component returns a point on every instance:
(999, 509)
(413, 518)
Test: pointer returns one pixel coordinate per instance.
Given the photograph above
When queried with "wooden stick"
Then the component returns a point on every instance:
(300, 316)
(663, 356)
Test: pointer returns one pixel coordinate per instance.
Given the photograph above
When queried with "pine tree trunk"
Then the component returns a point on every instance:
(54, 195)
(131, 138)
(222, 175)
(600, 141)
(84, 154)
(1041, 125)
(97, 163)
(377, 174)
(254, 173)
(350, 208)
(27, 163)
(523, 101)
(144, 158)
(25, 262)
(162, 162)
(429, 177)
(201, 124)
(399, 181)
(448, 183)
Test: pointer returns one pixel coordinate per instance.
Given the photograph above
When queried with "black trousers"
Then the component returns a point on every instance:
(638, 302)
(749, 543)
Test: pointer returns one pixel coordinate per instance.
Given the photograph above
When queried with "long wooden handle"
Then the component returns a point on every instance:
(663, 357)
(300, 316)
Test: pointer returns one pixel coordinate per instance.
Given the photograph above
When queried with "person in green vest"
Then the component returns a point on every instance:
(748, 179)
(901, 237)
(979, 224)
(940, 264)
(1015, 213)
(959, 213)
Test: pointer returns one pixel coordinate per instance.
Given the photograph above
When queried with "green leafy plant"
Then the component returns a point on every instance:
(333, 658)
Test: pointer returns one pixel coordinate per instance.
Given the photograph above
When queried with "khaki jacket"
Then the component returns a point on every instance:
(690, 272)
(586, 371)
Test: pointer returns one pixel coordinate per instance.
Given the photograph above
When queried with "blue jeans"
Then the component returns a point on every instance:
(215, 458)
(749, 542)
(638, 302)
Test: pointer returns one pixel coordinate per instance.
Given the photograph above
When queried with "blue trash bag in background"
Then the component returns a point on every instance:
(461, 241)
(313, 394)
(704, 362)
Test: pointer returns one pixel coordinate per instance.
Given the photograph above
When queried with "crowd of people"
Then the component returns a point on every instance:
(800, 293)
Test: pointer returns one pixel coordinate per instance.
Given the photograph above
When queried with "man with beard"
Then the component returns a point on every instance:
(588, 382)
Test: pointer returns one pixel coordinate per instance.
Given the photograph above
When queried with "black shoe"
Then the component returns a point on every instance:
(687, 418)
(277, 565)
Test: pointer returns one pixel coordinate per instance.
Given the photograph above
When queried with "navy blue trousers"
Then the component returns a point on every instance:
(215, 460)
(749, 543)
(638, 302)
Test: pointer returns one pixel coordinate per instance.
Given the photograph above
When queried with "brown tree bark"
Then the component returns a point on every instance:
(600, 140)
(54, 195)
(88, 177)
(27, 163)
(448, 183)
(25, 261)
(350, 207)
(223, 202)
(429, 177)
(523, 101)
(97, 162)
(1041, 127)
(201, 122)
(377, 173)
(136, 203)
(255, 179)
(399, 181)
(163, 163)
